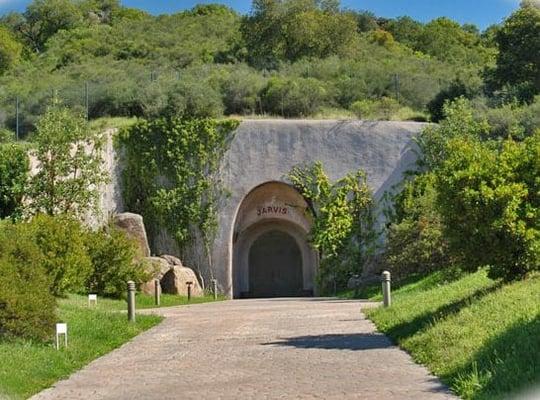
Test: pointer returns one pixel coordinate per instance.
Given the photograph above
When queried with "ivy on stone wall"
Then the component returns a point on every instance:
(343, 229)
(171, 175)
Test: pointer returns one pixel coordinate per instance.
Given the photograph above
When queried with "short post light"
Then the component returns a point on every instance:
(214, 288)
(92, 298)
(189, 290)
(61, 329)
(157, 292)
(387, 298)
(131, 301)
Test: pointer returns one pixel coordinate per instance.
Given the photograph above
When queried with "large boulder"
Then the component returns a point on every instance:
(172, 275)
(133, 225)
(172, 260)
(175, 282)
(156, 267)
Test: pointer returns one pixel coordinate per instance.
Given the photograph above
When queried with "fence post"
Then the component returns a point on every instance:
(131, 301)
(17, 118)
(387, 299)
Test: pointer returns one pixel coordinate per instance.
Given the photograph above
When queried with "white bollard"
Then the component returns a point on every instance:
(92, 298)
(387, 299)
(61, 329)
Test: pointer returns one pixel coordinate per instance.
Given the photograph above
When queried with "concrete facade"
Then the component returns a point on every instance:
(266, 150)
(254, 171)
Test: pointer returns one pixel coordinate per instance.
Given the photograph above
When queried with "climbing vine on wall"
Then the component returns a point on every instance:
(170, 174)
(343, 229)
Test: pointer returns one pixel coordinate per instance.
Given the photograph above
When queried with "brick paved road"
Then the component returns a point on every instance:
(256, 349)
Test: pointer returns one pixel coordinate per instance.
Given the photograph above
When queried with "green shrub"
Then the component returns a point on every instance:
(61, 241)
(114, 261)
(489, 200)
(14, 168)
(27, 307)
(383, 109)
(415, 242)
(298, 97)
(195, 98)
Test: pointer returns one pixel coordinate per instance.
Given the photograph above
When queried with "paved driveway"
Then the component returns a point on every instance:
(256, 349)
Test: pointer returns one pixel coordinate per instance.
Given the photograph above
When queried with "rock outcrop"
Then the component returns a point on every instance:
(133, 225)
(173, 277)
(175, 282)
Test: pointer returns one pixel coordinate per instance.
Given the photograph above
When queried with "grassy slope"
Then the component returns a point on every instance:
(482, 338)
(26, 367)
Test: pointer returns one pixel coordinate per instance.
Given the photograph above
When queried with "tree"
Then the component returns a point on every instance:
(69, 164)
(289, 30)
(10, 50)
(43, 18)
(13, 172)
(405, 30)
(489, 200)
(518, 60)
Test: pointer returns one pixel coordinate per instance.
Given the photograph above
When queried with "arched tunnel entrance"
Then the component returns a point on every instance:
(272, 256)
(275, 266)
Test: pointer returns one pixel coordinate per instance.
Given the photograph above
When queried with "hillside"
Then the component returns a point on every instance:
(480, 336)
(109, 60)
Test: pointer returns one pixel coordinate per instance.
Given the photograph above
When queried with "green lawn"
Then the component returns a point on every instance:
(26, 367)
(141, 301)
(482, 338)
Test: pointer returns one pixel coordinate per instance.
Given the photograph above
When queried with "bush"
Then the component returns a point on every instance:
(195, 98)
(61, 241)
(415, 242)
(383, 109)
(14, 167)
(114, 261)
(489, 199)
(27, 308)
(298, 97)
(455, 90)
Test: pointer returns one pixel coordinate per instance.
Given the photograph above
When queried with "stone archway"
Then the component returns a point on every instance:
(272, 256)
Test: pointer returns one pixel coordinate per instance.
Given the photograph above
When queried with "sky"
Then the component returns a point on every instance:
(479, 12)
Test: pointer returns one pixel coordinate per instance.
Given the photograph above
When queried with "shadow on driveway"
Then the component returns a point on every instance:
(354, 341)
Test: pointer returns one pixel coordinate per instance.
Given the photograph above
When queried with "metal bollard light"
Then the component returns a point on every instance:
(387, 298)
(131, 301)
(214, 288)
(189, 290)
(157, 292)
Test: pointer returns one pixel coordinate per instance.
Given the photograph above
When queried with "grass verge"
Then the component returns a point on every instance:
(28, 367)
(142, 301)
(481, 337)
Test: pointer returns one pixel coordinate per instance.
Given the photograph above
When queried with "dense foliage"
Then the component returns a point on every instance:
(14, 167)
(415, 241)
(27, 306)
(61, 241)
(518, 61)
(475, 201)
(289, 58)
(489, 200)
(114, 260)
(343, 228)
(171, 176)
(69, 165)
(53, 256)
